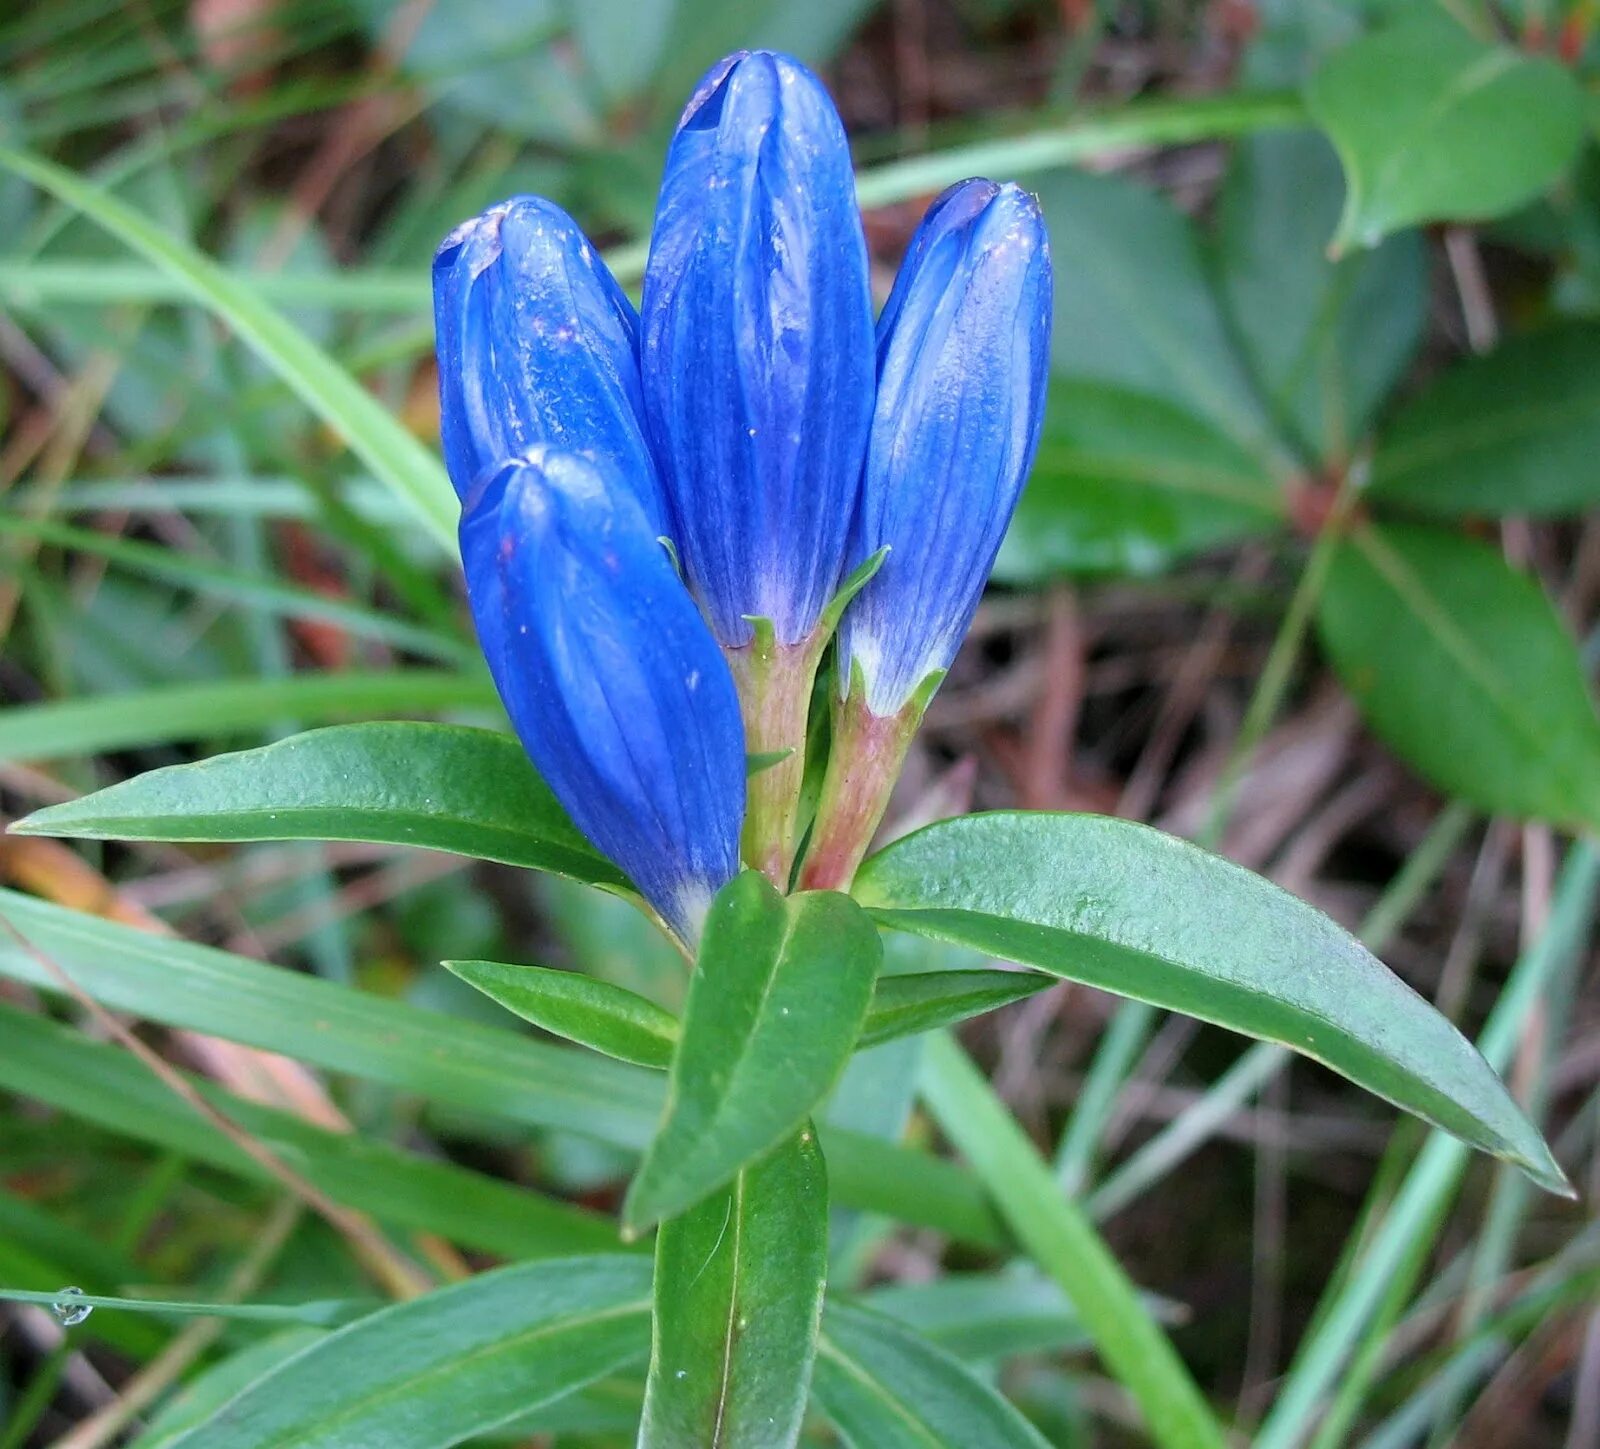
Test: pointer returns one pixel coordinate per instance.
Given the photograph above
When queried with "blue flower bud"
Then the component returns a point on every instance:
(537, 344)
(757, 356)
(612, 681)
(963, 351)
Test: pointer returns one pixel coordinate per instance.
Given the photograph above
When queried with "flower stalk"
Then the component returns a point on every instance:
(774, 682)
(869, 751)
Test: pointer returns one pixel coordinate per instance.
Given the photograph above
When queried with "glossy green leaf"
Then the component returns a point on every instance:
(51, 1063)
(1434, 125)
(1134, 306)
(1127, 482)
(374, 434)
(1462, 665)
(1325, 340)
(446, 787)
(482, 1069)
(1133, 911)
(920, 1001)
(1516, 430)
(884, 1387)
(581, 1008)
(738, 1296)
(777, 1001)
(446, 1367)
(168, 713)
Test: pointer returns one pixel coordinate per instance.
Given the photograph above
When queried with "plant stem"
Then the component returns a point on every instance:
(774, 682)
(864, 762)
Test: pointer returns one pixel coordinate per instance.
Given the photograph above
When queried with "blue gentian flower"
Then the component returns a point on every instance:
(963, 351)
(748, 417)
(613, 683)
(757, 345)
(537, 344)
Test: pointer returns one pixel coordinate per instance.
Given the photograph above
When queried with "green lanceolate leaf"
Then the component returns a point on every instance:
(1463, 666)
(459, 1063)
(776, 1004)
(447, 1367)
(1514, 431)
(202, 1396)
(738, 1295)
(921, 1001)
(1126, 482)
(446, 787)
(884, 1387)
(54, 1064)
(632, 1028)
(1131, 910)
(1433, 125)
(581, 1008)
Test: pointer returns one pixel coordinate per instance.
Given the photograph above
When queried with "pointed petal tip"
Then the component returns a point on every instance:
(758, 78)
(480, 238)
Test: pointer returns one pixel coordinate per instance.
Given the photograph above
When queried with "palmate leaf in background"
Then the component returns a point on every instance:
(449, 1366)
(1434, 125)
(1192, 391)
(1126, 482)
(446, 787)
(1516, 430)
(778, 998)
(1134, 306)
(738, 1296)
(1463, 666)
(1133, 911)
(1325, 341)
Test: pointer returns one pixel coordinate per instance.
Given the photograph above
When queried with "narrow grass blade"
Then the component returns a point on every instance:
(374, 435)
(1060, 1238)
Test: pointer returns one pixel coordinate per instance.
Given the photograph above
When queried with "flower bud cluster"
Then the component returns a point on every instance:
(753, 419)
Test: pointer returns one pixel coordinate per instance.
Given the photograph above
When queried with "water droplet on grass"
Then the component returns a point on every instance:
(68, 1313)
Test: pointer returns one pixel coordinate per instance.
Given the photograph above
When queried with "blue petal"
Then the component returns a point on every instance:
(963, 350)
(537, 344)
(612, 681)
(757, 358)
